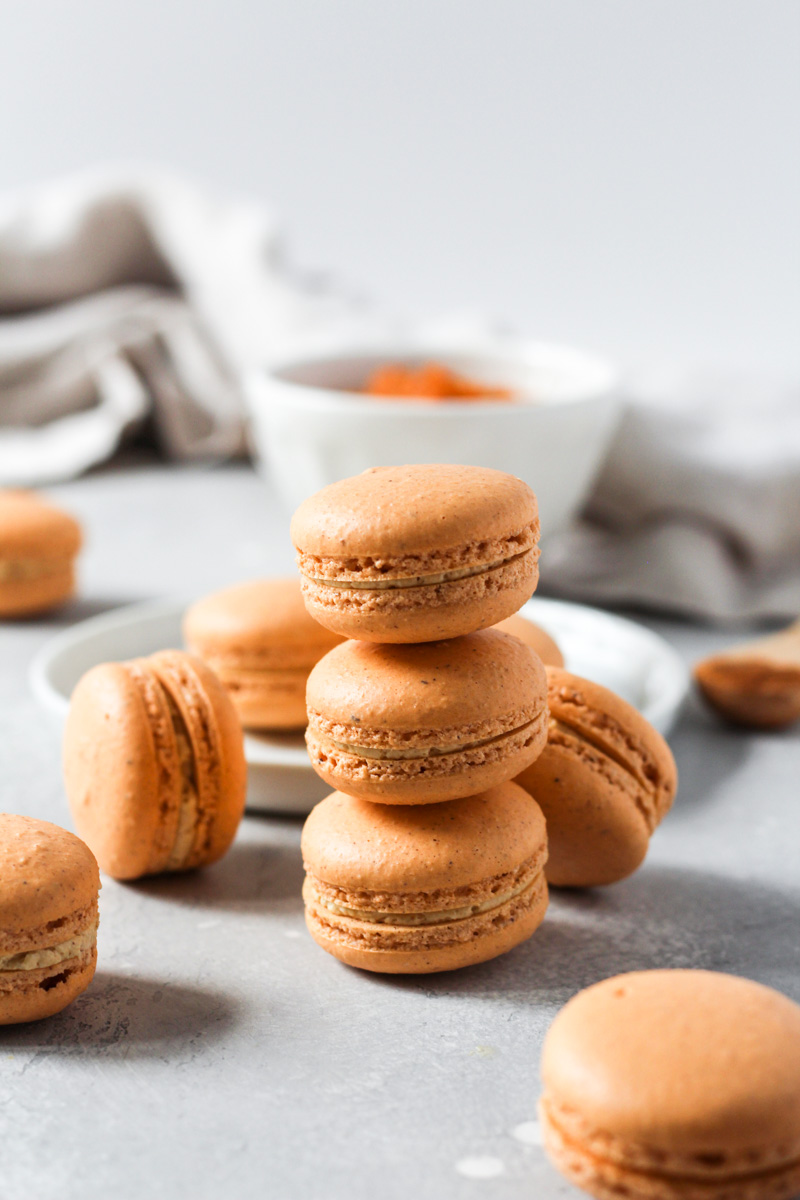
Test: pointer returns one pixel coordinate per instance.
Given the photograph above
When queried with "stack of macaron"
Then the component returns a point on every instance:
(427, 856)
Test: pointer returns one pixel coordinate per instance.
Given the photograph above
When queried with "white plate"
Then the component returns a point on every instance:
(634, 662)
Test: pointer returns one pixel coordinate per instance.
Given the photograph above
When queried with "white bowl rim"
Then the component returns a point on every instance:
(596, 377)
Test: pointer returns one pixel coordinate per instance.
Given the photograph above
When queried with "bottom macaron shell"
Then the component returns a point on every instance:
(33, 995)
(609, 1180)
(596, 833)
(24, 597)
(426, 960)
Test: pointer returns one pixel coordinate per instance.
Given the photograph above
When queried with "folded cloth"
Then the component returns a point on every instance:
(697, 508)
(128, 293)
(125, 293)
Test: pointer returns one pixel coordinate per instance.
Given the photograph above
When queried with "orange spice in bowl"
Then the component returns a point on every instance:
(431, 381)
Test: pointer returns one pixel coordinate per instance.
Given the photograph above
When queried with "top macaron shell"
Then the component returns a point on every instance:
(261, 642)
(47, 873)
(263, 623)
(417, 553)
(419, 724)
(686, 1063)
(38, 546)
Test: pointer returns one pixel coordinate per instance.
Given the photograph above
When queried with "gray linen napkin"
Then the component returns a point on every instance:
(697, 508)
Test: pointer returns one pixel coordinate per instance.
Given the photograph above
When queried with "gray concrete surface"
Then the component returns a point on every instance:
(220, 1053)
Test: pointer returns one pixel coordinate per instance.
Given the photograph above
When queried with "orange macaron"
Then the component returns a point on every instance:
(260, 641)
(38, 547)
(424, 888)
(154, 765)
(417, 553)
(48, 918)
(418, 724)
(605, 780)
(534, 636)
(675, 1085)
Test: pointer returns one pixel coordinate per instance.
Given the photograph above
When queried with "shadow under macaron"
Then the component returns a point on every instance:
(262, 872)
(660, 917)
(124, 1017)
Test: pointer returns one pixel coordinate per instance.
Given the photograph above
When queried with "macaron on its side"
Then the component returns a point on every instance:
(38, 547)
(417, 553)
(422, 889)
(605, 780)
(260, 641)
(154, 765)
(534, 636)
(48, 918)
(675, 1085)
(421, 724)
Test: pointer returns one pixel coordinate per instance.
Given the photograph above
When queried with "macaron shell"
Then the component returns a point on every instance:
(411, 510)
(32, 528)
(620, 731)
(685, 1062)
(24, 597)
(118, 794)
(596, 833)
(33, 1003)
(440, 958)
(482, 676)
(358, 845)
(261, 624)
(266, 699)
(216, 736)
(538, 639)
(47, 874)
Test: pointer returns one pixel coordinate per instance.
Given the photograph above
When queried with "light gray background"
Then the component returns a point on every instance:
(618, 173)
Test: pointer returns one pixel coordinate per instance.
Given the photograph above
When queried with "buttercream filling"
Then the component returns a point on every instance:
(33, 960)
(383, 585)
(29, 568)
(188, 814)
(389, 752)
(440, 917)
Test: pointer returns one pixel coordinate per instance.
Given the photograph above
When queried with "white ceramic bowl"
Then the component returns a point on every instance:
(310, 427)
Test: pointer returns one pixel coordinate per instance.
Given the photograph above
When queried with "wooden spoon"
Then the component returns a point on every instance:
(757, 683)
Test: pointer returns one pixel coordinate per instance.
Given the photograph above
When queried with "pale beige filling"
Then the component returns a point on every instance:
(29, 568)
(425, 918)
(389, 752)
(33, 960)
(189, 810)
(383, 585)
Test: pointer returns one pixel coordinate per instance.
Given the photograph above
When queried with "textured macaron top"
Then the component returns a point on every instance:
(407, 519)
(354, 844)
(487, 677)
(684, 1062)
(46, 875)
(589, 714)
(30, 527)
(263, 624)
